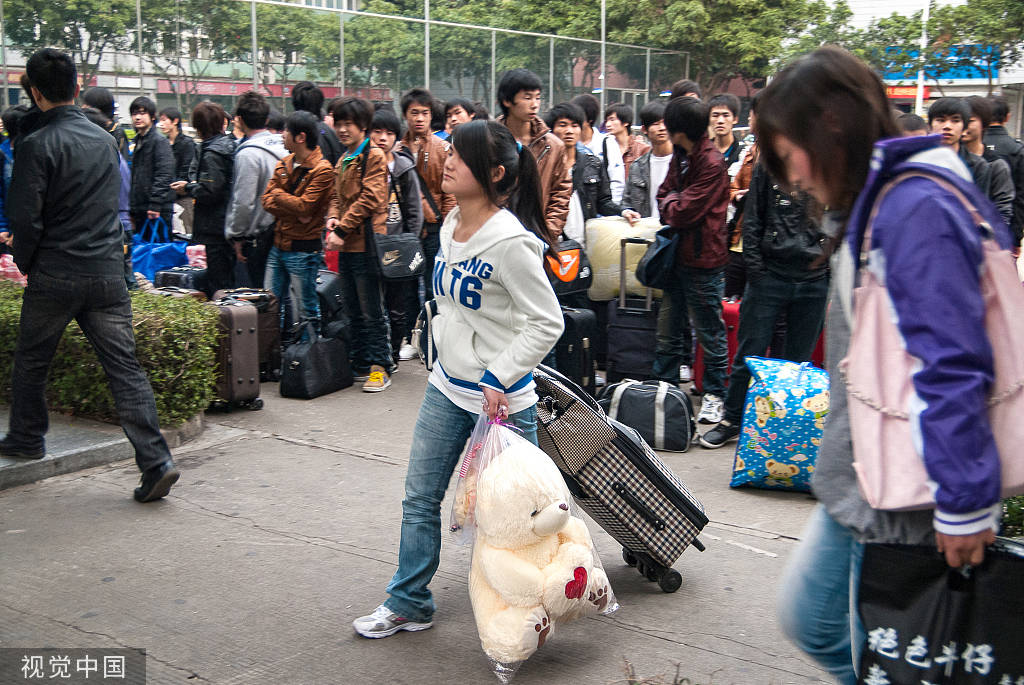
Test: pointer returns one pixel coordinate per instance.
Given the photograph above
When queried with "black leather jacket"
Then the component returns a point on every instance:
(152, 174)
(590, 180)
(184, 149)
(779, 237)
(210, 185)
(63, 201)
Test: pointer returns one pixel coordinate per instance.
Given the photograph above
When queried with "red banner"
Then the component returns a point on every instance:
(905, 92)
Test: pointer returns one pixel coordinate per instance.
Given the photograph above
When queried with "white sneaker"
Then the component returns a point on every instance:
(407, 352)
(384, 622)
(685, 374)
(711, 410)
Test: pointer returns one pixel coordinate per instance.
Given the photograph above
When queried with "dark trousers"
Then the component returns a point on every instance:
(400, 298)
(765, 301)
(735, 275)
(103, 310)
(693, 296)
(255, 251)
(220, 265)
(364, 301)
(431, 245)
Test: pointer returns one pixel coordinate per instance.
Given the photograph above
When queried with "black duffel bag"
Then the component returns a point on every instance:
(314, 367)
(661, 413)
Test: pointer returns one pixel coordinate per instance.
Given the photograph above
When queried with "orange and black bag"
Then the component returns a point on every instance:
(568, 268)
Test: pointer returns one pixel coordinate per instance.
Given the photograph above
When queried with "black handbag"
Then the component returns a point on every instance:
(926, 622)
(317, 366)
(568, 269)
(399, 255)
(656, 266)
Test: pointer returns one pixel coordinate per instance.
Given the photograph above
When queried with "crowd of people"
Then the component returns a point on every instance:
(774, 218)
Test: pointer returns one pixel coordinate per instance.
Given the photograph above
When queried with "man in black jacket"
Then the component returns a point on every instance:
(787, 277)
(306, 97)
(64, 204)
(152, 168)
(999, 144)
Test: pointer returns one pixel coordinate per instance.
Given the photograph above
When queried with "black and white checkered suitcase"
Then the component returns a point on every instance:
(618, 479)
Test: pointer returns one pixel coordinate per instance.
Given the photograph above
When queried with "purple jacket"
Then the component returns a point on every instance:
(927, 250)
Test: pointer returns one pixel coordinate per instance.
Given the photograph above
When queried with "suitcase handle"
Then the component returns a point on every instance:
(622, 271)
(639, 507)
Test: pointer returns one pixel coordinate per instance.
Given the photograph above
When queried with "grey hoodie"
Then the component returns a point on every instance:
(255, 160)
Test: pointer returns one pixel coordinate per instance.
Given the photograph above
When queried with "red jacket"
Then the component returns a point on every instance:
(694, 202)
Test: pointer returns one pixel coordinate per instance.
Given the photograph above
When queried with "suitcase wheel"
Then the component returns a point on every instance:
(670, 580)
(254, 405)
(628, 557)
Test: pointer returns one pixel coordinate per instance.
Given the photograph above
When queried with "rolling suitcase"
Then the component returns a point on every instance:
(731, 316)
(190, 277)
(179, 293)
(269, 335)
(238, 356)
(618, 479)
(632, 328)
(574, 352)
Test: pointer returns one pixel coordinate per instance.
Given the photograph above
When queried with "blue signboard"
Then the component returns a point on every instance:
(980, 55)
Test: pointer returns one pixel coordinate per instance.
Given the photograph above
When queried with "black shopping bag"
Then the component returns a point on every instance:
(928, 623)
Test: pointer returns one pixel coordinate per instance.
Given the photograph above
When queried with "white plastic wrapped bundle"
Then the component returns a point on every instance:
(603, 250)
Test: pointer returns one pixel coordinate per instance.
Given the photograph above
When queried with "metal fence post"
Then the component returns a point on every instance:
(426, 44)
(647, 78)
(494, 84)
(341, 54)
(138, 26)
(255, 49)
(3, 55)
(604, 75)
(551, 70)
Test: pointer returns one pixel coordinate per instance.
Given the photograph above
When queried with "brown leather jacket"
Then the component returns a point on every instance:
(633, 151)
(739, 183)
(430, 164)
(555, 176)
(299, 211)
(360, 195)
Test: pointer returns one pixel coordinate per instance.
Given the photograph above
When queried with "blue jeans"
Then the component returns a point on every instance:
(817, 602)
(295, 271)
(441, 432)
(364, 300)
(699, 295)
(103, 310)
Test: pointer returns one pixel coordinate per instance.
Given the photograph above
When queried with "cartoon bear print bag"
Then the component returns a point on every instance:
(783, 419)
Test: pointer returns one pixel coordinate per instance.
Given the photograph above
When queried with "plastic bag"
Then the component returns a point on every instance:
(534, 563)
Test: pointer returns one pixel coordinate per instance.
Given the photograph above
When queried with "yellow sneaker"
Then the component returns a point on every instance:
(378, 380)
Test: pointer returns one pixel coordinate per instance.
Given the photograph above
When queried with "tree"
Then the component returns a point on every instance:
(979, 37)
(85, 29)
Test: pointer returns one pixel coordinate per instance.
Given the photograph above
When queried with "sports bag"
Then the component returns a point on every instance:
(783, 419)
(661, 413)
(569, 269)
(317, 366)
(878, 372)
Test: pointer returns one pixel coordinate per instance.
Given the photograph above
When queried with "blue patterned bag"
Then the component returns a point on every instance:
(783, 418)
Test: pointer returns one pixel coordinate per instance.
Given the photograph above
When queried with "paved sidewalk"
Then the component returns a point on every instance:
(284, 527)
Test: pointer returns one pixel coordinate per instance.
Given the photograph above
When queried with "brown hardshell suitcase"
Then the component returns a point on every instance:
(238, 356)
(269, 308)
(179, 293)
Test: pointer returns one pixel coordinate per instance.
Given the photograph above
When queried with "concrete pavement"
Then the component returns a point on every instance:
(284, 527)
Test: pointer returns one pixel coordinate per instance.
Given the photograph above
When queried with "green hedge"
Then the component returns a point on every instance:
(175, 342)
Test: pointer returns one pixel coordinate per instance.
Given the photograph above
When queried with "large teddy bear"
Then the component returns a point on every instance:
(533, 562)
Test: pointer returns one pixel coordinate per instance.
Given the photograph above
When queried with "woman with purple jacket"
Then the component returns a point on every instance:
(825, 127)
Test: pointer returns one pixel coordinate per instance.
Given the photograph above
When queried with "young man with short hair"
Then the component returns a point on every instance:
(1001, 190)
(152, 168)
(298, 196)
(359, 205)
(1000, 144)
(618, 121)
(597, 142)
(430, 153)
(63, 207)
(519, 98)
(685, 88)
(307, 97)
(458, 111)
(948, 117)
(404, 215)
(693, 200)
(248, 226)
(591, 194)
(725, 113)
(184, 149)
(912, 125)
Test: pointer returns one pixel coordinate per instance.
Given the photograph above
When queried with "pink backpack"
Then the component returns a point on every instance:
(878, 369)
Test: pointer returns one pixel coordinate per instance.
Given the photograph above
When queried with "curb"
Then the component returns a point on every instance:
(24, 471)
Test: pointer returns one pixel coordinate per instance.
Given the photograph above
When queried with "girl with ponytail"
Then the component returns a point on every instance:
(497, 318)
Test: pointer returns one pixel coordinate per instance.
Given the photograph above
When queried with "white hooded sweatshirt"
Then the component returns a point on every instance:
(497, 315)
